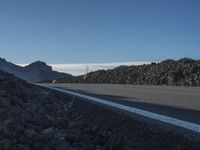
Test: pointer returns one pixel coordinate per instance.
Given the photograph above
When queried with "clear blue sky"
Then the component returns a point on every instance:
(90, 31)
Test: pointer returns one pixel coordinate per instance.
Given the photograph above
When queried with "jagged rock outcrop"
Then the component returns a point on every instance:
(34, 72)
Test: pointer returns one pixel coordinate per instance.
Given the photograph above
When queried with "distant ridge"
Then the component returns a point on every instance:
(34, 72)
(183, 72)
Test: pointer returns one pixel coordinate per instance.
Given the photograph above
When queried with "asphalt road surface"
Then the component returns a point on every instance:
(178, 102)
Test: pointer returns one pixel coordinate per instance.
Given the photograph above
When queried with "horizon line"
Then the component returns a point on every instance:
(80, 68)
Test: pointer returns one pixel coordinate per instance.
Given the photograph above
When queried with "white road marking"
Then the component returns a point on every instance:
(162, 118)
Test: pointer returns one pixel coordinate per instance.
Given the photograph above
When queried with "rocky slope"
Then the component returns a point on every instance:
(34, 72)
(34, 118)
(183, 72)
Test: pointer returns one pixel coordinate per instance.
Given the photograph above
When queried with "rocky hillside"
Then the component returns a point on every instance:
(34, 72)
(34, 118)
(184, 72)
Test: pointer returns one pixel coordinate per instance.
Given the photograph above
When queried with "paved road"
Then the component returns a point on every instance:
(179, 102)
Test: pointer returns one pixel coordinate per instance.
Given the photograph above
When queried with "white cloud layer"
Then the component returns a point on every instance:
(80, 69)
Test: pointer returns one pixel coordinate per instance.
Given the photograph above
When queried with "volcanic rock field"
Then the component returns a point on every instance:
(183, 72)
(35, 118)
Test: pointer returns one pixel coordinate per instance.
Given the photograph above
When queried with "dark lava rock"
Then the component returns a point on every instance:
(30, 133)
(35, 118)
(28, 114)
(5, 144)
(183, 72)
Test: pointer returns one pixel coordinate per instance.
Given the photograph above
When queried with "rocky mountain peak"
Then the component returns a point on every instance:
(186, 60)
(34, 72)
(2, 60)
(39, 65)
(168, 61)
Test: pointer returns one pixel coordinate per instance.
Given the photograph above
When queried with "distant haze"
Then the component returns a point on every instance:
(80, 69)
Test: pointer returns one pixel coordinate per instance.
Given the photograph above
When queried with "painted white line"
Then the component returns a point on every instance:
(162, 118)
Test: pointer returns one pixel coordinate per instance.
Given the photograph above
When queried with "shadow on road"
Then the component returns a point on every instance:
(179, 113)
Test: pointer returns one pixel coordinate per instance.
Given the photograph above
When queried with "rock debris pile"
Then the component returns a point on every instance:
(184, 72)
